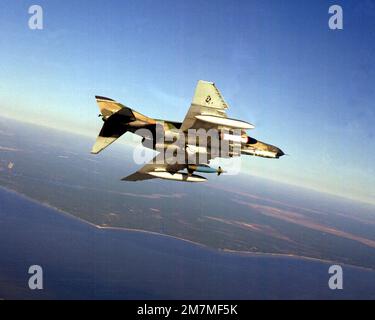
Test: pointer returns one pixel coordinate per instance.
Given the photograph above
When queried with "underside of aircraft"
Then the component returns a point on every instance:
(206, 133)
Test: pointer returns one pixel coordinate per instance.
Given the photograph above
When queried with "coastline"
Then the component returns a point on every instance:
(197, 244)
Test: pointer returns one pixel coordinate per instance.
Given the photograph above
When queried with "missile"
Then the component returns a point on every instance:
(205, 169)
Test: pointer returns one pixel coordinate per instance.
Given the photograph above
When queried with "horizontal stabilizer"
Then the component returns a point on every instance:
(102, 143)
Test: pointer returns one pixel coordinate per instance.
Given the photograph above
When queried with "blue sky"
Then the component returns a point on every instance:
(308, 89)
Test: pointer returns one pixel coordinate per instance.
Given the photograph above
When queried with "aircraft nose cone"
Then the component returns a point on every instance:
(280, 153)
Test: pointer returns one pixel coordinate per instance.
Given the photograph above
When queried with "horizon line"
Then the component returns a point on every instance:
(307, 187)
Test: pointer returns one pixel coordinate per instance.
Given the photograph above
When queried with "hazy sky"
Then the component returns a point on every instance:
(308, 89)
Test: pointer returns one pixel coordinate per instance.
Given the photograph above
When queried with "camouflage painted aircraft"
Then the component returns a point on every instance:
(207, 112)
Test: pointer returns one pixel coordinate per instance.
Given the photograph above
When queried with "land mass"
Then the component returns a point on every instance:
(241, 213)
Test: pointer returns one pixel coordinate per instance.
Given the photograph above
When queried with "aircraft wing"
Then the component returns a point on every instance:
(207, 100)
(208, 110)
(138, 176)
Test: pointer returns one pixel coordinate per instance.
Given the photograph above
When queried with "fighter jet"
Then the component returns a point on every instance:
(227, 137)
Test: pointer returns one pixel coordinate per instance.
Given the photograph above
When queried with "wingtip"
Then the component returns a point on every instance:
(205, 81)
(95, 150)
